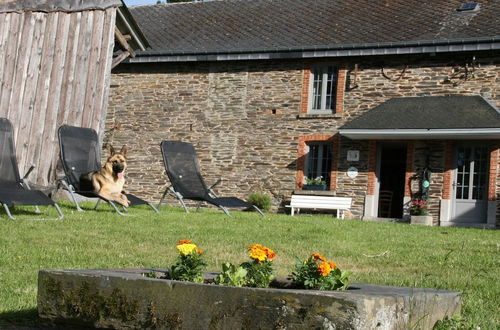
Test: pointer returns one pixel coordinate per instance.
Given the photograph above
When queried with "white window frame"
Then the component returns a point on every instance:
(324, 85)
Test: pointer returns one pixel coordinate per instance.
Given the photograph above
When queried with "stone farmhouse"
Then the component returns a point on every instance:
(387, 101)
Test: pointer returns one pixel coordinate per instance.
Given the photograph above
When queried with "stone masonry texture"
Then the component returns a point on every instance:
(244, 118)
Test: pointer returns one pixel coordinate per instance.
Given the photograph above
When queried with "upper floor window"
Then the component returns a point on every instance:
(323, 89)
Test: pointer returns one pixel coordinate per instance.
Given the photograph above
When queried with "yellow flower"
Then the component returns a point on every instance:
(258, 254)
(324, 268)
(187, 249)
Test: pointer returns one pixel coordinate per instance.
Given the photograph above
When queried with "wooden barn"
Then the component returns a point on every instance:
(55, 64)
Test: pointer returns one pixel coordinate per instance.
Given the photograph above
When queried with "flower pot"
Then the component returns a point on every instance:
(315, 187)
(425, 220)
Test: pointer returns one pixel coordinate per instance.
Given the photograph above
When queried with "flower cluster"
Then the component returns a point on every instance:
(260, 253)
(314, 273)
(189, 264)
(324, 266)
(315, 181)
(418, 207)
(257, 273)
(318, 273)
(260, 271)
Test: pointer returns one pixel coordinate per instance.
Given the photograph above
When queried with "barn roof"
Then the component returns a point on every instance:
(56, 5)
(233, 29)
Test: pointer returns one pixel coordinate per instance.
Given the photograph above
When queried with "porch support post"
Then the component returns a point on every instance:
(410, 150)
(371, 207)
(446, 206)
(491, 214)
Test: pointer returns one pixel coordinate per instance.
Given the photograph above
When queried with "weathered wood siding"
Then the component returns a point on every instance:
(54, 70)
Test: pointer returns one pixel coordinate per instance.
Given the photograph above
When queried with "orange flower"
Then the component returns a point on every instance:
(260, 253)
(184, 241)
(270, 254)
(317, 257)
(332, 264)
(324, 268)
(200, 251)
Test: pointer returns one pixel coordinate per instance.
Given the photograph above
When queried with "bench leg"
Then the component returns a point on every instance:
(292, 212)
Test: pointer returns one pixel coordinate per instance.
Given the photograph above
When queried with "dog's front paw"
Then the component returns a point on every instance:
(125, 202)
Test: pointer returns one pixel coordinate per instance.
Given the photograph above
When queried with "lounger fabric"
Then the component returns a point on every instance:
(12, 192)
(183, 171)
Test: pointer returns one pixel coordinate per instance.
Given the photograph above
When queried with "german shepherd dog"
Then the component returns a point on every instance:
(108, 182)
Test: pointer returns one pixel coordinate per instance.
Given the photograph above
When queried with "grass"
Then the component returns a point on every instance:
(465, 260)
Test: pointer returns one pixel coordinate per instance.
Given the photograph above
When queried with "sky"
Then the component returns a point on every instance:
(130, 3)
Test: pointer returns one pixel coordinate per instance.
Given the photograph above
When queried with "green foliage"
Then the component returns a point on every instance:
(151, 274)
(188, 268)
(189, 264)
(262, 201)
(315, 181)
(308, 275)
(259, 274)
(231, 275)
(456, 322)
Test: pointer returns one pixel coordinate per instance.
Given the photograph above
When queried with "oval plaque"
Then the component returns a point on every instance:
(352, 172)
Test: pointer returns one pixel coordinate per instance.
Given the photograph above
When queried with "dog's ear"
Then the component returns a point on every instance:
(124, 151)
(111, 150)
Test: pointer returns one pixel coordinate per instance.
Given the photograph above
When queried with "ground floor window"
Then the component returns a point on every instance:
(319, 160)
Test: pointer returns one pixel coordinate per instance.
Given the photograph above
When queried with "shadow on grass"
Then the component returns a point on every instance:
(27, 318)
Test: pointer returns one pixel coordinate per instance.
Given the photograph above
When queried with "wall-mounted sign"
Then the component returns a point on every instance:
(352, 155)
(352, 172)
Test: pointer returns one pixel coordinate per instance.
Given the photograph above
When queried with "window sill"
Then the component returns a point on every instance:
(319, 116)
(315, 192)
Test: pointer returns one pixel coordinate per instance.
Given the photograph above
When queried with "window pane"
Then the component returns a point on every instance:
(317, 88)
(331, 89)
(480, 173)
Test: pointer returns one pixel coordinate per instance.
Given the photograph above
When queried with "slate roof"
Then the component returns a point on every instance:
(429, 112)
(235, 26)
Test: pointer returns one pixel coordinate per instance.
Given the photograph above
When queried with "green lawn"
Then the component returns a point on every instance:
(466, 260)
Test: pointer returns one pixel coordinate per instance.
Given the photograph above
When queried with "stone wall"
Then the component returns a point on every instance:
(244, 117)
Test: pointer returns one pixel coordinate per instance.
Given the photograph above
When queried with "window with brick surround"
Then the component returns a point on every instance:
(319, 160)
(323, 89)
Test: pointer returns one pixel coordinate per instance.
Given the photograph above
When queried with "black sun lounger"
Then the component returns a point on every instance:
(80, 154)
(183, 171)
(14, 190)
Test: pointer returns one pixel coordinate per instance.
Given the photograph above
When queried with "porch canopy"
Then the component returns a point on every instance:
(428, 117)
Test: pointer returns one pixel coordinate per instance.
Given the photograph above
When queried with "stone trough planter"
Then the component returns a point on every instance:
(424, 220)
(125, 298)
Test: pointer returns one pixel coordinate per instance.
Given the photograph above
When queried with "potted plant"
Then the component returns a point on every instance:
(317, 183)
(418, 213)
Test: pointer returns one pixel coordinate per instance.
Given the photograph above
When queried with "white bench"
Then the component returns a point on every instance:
(320, 202)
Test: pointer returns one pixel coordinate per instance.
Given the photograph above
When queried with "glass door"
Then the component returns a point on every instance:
(470, 184)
